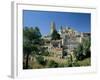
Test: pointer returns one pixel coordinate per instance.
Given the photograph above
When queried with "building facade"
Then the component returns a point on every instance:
(70, 39)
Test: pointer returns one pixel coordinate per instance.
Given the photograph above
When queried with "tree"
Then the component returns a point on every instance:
(79, 54)
(83, 49)
(31, 40)
(55, 35)
(86, 47)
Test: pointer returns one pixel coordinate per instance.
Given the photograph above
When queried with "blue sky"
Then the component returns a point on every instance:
(78, 21)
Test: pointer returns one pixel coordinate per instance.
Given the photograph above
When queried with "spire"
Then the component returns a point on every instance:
(52, 27)
(61, 29)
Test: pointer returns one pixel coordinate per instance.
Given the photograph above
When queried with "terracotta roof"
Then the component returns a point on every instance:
(57, 49)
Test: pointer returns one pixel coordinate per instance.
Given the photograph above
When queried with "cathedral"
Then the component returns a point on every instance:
(69, 40)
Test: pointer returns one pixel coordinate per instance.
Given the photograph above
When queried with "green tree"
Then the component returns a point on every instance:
(55, 35)
(79, 50)
(86, 47)
(31, 42)
(83, 49)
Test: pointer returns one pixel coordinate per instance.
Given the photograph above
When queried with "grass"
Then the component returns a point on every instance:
(85, 62)
(60, 62)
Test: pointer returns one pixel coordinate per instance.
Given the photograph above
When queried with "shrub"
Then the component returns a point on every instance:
(46, 53)
(52, 64)
(61, 65)
(83, 49)
(69, 65)
(41, 60)
(75, 64)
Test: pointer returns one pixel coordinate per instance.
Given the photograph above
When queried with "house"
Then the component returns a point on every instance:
(70, 39)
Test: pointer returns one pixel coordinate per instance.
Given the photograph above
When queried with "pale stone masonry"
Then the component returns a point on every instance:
(70, 39)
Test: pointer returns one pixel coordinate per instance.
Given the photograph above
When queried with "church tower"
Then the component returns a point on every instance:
(52, 26)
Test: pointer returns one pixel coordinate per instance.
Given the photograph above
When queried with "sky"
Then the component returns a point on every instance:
(42, 19)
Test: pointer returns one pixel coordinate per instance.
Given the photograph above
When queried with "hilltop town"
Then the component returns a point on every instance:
(69, 40)
(65, 47)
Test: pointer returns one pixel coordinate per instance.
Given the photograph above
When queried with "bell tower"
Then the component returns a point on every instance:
(52, 26)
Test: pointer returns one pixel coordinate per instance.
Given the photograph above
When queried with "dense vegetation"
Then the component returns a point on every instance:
(83, 49)
(31, 43)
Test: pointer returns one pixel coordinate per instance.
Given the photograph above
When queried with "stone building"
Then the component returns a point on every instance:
(70, 39)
